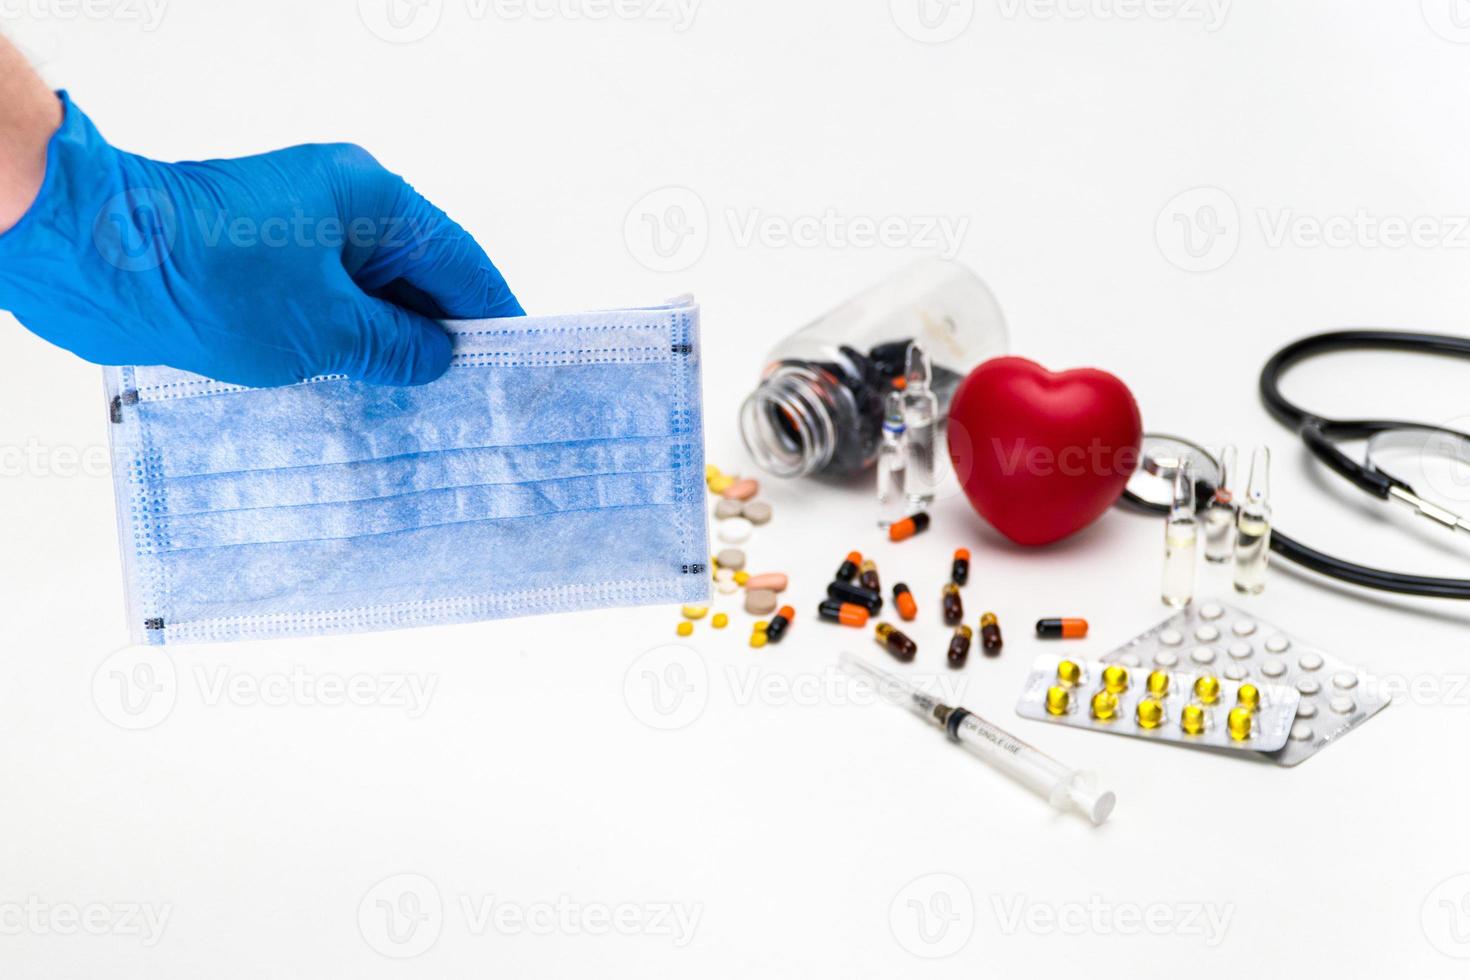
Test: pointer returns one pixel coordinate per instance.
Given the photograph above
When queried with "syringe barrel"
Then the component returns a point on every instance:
(1061, 786)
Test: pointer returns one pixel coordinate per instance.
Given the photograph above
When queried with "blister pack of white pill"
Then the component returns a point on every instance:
(1184, 706)
(1336, 696)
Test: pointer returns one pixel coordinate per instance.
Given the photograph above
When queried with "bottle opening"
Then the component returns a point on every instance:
(787, 424)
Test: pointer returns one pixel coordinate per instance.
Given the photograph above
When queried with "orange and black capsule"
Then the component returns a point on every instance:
(954, 608)
(847, 592)
(904, 600)
(776, 629)
(908, 527)
(959, 572)
(895, 642)
(848, 570)
(844, 613)
(868, 577)
(959, 646)
(990, 640)
(1061, 629)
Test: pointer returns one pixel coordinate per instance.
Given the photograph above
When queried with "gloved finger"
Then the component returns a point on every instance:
(426, 261)
(388, 345)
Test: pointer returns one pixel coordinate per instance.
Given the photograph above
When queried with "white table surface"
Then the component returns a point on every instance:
(790, 830)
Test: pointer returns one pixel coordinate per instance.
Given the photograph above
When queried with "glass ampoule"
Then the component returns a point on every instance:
(892, 463)
(921, 431)
(1219, 516)
(1253, 527)
(1181, 541)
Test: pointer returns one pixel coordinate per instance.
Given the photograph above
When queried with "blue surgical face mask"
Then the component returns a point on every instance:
(558, 465)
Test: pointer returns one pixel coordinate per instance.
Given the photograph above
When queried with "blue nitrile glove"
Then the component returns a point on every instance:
(260, 271)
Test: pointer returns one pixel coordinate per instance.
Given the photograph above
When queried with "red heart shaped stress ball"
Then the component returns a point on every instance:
(1042, 455)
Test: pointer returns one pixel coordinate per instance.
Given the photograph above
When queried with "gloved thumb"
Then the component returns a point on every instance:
(394, 346)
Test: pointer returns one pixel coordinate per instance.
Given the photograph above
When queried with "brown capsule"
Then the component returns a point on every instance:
(954, 609)
(868, 576)
(895, 642)
(990, 639)
(959, 646)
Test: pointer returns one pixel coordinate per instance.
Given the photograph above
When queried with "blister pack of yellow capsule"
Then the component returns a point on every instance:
(1336, 696)
(1179, 706)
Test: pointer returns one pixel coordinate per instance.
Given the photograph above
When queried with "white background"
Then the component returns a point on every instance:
(796, 829)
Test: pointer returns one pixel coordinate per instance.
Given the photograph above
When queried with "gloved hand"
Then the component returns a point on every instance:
(260, 271)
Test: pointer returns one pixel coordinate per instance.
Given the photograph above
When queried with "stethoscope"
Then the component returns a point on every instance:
(1163, 455)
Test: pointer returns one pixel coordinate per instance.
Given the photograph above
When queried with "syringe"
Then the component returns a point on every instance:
(1062, 787)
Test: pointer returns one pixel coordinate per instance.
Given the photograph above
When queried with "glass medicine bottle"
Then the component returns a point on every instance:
(819, 407)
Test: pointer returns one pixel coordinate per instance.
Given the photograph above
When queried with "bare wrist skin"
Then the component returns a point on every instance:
(29, 114)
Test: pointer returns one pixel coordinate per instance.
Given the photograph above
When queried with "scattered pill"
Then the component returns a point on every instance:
(1058, 700)
(990, 638)
(720, 621)
(1061, 629)
(737, 530)
(711, 471)
(1249, 696)
(758, 639)
(759, 602)
(727, 588)
(760, 626)
(848, 570)
(908, 527)
(1240, 721)
(954, 608)
(847, 592)
(1069, 673)
(1207, 689)
(1115, 679)
(726, 509)
(724, 575)
(868, 576)
(757, 512)
(844, 613)
(895, 642)
(685, 628)
(694, 612)
(1192, 719)
(1150, 713)
(741, 490)
(769, 581)
(731, 558)
(959, 646)
(780, 622)
(1104, 706)
(959, 571)
(904, 600)
(742, 577)
(721, 483)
